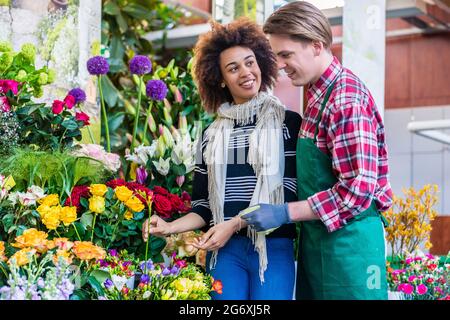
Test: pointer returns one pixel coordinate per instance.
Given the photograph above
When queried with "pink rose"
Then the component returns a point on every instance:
(69, 101)
(81, 116)
(4, 104)
(412, 278)
(7, 85)
(58, 106)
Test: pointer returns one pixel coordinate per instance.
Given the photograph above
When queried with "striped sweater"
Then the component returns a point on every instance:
(241, 179)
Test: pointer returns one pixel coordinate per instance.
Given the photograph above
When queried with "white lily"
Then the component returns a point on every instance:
(162, 166)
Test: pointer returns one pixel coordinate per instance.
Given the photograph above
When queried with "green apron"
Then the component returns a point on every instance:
(345, 264)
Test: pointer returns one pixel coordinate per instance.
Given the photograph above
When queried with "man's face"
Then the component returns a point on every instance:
(298, 59)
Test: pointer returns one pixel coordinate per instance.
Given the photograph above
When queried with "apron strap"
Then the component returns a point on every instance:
(325, 100)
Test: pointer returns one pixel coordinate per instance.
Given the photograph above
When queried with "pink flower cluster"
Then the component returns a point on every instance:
(421, 278)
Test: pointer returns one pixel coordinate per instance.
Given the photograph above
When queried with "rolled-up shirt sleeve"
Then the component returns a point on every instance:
(352, 141)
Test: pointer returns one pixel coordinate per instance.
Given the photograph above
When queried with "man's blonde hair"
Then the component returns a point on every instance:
(301, 21)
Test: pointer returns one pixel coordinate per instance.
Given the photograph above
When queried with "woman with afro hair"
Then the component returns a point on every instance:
(247, 156)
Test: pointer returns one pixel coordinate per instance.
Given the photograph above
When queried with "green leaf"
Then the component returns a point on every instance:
(110, 92)
(69, 125)
(115, 121)
(96, 286)
(111, 8)
(156, 245)
(123, 25)
(186, 111)
(86, 219)
(84, 202)
(137, 11)
(179, 170)
(79, 294)
(100, 275)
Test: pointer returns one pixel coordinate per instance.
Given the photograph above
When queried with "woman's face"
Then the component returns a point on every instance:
(241, 73)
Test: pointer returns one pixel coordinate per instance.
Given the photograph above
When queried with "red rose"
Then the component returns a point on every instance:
(160, 190)
(116, 183)
(58, 106)
(162, 206)
(77, 193)
(81, 116)
(69, 101)
(178, 204)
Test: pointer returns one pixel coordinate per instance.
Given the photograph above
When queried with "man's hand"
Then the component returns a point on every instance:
(158, 227)
(268, 216)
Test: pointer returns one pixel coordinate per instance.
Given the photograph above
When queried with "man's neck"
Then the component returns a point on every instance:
(325, 62)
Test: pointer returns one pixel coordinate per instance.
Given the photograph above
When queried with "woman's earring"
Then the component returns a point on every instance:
(222, 85)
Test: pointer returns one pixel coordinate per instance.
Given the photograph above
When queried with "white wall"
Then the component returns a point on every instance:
(414, 160)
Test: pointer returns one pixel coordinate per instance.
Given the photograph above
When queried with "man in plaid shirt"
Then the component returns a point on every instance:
(342, 166)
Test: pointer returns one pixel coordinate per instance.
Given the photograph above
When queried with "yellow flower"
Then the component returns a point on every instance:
(68, 215)
(123, 193)
(50, 200)
(85, 250)
(43, 209)
(22, 257)
(51, 219)
(98, 189)
(32, 238)
(97, 204)
(128, 215)
(135, 204)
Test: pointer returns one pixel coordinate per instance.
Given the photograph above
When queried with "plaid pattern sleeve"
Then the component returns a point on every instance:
(351, 132)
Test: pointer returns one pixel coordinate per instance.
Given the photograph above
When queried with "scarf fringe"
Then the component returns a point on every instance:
(270, 114)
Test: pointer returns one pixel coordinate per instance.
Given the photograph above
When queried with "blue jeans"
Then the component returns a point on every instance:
(237, 267)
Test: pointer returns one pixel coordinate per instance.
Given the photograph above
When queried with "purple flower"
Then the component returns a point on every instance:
(145, 278)
(140, 65)
(175, 270)
(125, 264)
(113, 252)
(166, 271)
(156, 90)
(78, 94)
(97, 66)
(149, 264)
(103, 263)
(141, 175)
(108, 284)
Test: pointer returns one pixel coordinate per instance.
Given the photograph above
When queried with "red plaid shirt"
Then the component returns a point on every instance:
(352, 133)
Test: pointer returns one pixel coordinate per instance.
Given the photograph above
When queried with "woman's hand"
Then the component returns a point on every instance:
(217, 236)
(158, 227)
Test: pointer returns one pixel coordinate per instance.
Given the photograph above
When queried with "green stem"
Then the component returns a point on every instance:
(105, 118)
(57, 233)
(93, 225)
(149, 205)
(4, 271)
(149, 111)
(76, 231)
(136, 119)
(113, 236)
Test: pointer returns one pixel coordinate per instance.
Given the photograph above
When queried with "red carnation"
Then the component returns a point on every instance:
(162, 206)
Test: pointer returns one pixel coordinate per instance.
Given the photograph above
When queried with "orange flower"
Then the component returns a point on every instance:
(63, 243)
(22, 257)
(2, 251)
(85, 250)
(217, 286)
(32, 238)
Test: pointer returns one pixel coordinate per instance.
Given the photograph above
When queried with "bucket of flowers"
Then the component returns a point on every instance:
(421, 277)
